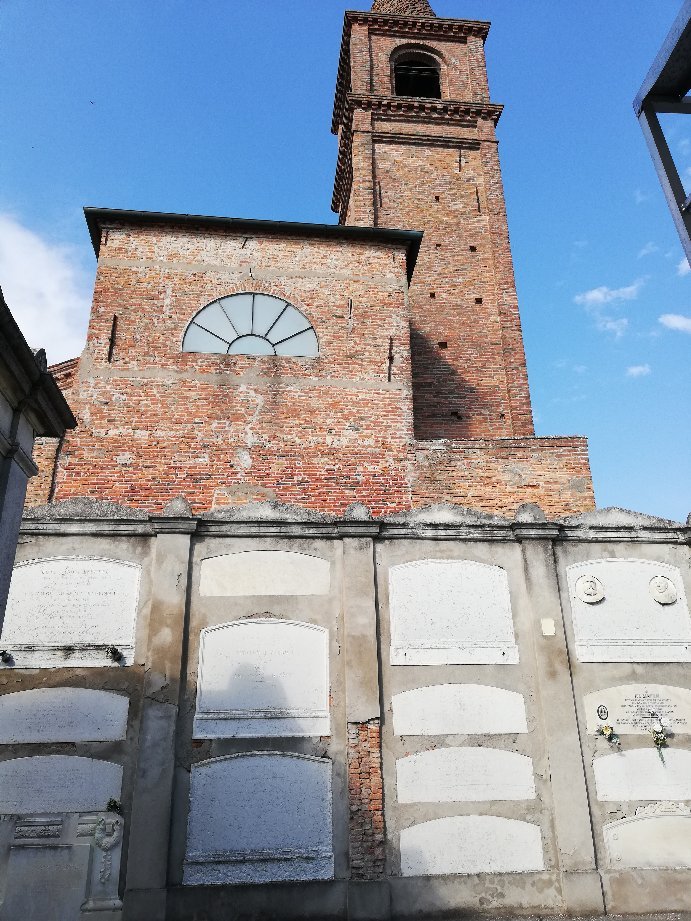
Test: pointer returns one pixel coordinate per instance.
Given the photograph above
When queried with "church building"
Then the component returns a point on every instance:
(305, 620)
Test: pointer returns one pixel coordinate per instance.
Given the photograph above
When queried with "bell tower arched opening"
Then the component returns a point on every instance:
(416, 74)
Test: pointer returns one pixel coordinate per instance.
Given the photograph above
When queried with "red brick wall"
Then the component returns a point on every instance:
(433, 167)
(367, 852)
(499, 475)
(46, 449)
(322, 432)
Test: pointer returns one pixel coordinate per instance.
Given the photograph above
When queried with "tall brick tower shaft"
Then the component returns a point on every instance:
(418, 149)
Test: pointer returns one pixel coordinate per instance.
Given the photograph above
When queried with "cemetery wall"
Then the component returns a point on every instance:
(272, 710)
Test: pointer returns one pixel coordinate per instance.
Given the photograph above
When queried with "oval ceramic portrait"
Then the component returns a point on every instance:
(589, 589)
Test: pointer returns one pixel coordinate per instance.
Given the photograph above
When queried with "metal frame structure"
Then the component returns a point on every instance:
(664, 90)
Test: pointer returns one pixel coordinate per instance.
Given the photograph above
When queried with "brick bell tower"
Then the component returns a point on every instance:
(418, 149)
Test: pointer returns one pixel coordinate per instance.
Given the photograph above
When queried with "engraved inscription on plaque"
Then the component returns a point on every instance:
(471, 844)
(629, 708)
(63, 715)
(259, 817)
(57, 783)
(264, 572)
(642, 616)
(464, 775)
(59, 864)
(65, 612)
(45, 883)
(263, 677)
(450, 612)
(458, 709)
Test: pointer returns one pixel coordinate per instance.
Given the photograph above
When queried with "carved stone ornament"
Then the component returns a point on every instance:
(663, 590)
(590, 590)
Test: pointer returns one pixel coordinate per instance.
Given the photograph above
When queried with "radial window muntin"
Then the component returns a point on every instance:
(251, 323)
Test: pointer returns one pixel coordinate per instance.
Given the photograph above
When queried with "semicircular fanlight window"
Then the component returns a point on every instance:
(251, 324)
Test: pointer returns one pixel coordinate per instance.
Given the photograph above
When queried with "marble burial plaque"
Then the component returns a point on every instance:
(458, 709)
(639, 774)
(658, 837)
(264, 572)
(257, 818)
(263, 677)
(57, 783)
(450, 612)
(464, 775)
(63, 715)
(67, 611)
(628, 708)
(471, 844)
(46, 883)
(629, 611)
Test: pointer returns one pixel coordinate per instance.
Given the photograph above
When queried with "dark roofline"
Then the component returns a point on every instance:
(670, 73)
(411, 239)
(40, 390)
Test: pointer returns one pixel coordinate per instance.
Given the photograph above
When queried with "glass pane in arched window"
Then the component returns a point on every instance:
(251, 324)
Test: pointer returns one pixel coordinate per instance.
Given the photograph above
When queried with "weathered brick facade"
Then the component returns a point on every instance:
(367, 848)
(416, 396)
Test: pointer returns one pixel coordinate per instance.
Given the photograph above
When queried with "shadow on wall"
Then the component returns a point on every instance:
(445, 405)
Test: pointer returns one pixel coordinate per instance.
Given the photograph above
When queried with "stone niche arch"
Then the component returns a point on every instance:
(63, 715)
(450, 612)
(471, 844)
(458, 709)
(470, 775)
(629, 611)
(259, 817)
(72, 611)
(57, 783)
(263, 677)
(264, 572)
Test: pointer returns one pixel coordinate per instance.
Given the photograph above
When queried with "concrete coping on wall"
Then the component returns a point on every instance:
(84, 515)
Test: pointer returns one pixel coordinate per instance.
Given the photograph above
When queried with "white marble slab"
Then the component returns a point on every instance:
(464, 775)
(639, 774)
(458, 709)
(67, 611)
(263, 677)
(63, 715)
(57, 783)
(264, 572)
(46, 883)
(656, 838)
(471, 844)
(450, 612)
(259, 817)
(628, 708)
(620, 614)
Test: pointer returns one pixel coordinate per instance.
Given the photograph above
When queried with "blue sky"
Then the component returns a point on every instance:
(224, 107)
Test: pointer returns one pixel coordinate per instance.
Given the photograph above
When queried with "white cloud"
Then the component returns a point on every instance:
(639, 197)
(676, 321)
(638, 371)
(685, 146)
(46, 288)
(605, 295)
(683, 268)
(649, 248)
(595, 300)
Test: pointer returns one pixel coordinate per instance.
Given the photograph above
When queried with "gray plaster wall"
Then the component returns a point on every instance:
(578, 874)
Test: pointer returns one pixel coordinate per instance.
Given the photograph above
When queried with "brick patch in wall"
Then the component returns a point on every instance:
(367, 854)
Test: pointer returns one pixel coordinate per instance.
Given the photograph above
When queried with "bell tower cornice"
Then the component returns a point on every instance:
(398, 27)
